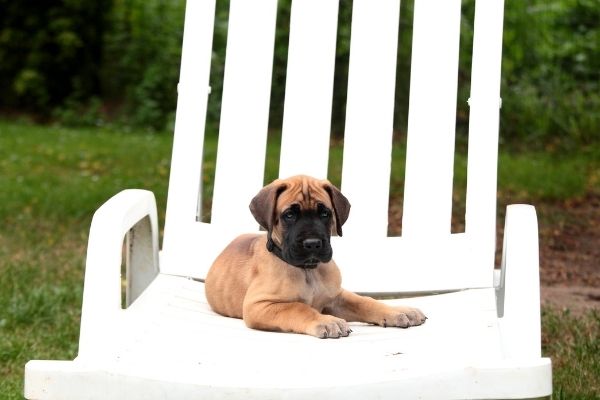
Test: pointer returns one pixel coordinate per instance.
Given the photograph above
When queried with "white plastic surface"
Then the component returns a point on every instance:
(102, 290)
(369, 124)
(520, 284)
(172, 346)
(309, 88)
(484, 106)
(188, 143)
(431, 119)
(369, 264)
(244, 111)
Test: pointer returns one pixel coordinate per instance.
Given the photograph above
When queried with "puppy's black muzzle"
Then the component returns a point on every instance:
(308, 252)
(306, 240)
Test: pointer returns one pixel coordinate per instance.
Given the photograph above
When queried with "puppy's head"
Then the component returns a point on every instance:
(300, 214)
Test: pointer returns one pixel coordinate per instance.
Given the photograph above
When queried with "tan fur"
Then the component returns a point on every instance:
(247, 281)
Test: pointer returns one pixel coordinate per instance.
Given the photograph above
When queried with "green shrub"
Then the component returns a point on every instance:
(551, 72)
(50, 52)
(142, 51)
(126, 53)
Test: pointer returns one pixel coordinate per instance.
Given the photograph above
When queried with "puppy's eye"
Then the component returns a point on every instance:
(324, 213)
(289, 215)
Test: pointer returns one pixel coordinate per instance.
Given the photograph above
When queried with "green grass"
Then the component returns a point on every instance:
(546, 176)
(52, 179)
(57, 173)
(574, 345)
(41, 274)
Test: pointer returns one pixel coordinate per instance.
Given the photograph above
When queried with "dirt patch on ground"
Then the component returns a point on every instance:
(570, 243)
(577, 299)
(570, 253)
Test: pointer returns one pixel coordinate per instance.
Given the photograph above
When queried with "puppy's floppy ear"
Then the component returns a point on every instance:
(263, 204)
(341, 206)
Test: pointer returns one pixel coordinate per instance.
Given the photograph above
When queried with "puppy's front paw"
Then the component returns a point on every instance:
(329, 327)
(404, 317)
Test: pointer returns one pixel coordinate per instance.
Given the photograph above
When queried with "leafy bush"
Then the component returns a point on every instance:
(50, 52)
(92, 61)
(142, 51)
(551, 72)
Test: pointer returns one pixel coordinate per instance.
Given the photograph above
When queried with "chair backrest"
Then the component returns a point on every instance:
(427, 256)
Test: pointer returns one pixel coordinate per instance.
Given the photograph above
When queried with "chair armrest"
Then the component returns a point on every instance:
(130, 215)
(518, 293)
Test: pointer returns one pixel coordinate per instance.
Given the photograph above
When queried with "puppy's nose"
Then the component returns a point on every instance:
(312, 244)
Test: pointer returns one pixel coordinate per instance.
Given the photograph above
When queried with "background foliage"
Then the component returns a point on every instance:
(117, 61)
(50, 51)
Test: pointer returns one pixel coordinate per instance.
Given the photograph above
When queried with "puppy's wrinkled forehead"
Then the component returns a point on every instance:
(307, 192)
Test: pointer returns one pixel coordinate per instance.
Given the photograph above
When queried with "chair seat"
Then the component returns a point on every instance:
(174, 341)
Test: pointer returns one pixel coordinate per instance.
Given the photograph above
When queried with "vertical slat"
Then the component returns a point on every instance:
(483, 126)
(193, 90)
(244, 111)
(309, 88)
(432, 118)
(370, 114)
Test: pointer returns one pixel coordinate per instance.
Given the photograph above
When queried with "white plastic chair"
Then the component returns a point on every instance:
(482, 338)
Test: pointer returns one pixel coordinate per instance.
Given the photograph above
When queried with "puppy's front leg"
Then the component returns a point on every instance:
(353, 307)
(293, 317)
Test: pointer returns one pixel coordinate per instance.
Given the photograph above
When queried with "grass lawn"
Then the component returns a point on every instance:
(52, 179)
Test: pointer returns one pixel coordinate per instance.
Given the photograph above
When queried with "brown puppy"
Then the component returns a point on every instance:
(285, 280)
